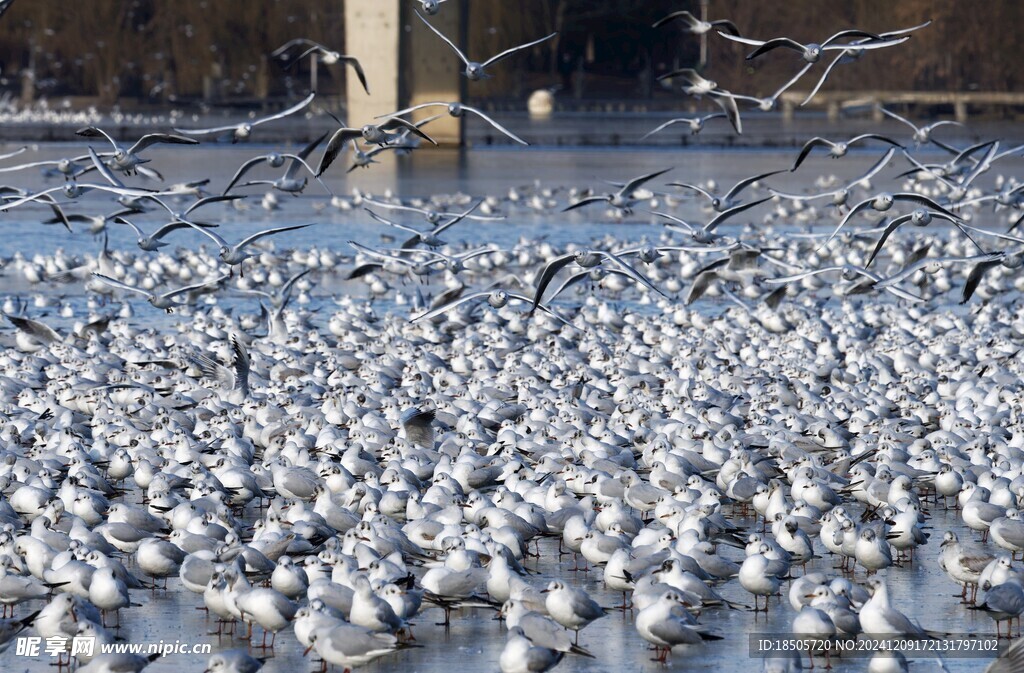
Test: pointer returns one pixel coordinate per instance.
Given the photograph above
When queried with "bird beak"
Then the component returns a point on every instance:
(544, 591)
(306, 651)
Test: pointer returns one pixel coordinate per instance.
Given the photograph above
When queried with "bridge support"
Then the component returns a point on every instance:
(405, 63)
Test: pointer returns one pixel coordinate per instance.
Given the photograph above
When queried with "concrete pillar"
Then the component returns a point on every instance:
(403, 67)
(960, 110)
(787, 109)
(433, 71)
(372, 31)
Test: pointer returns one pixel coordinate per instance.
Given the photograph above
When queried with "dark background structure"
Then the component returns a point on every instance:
(137, 53)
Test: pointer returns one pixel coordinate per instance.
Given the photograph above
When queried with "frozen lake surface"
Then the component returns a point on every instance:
(475, 639)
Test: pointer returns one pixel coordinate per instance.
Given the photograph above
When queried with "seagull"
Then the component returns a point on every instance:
(705, 234)
(728, 200)
(587, 259)
(476, 71)
(235, 254)
(243, 131)
(429, 238)
(9, 628)
(287, 182)
(878, 617)
(327, 57)
(665, 623)
(922, 134)
(276, 160)
(767, 104)
(622, 199)
(163, 300)
(571, 607)
(848, 272)
(812, 51)
(838, 149)
(431, 7)
(233, 661)
(348, 645)
(458, 110)
(842, 195)
(698, 86)
(696, 123)
(379, 134)
(68, 167)
(115, 662)
(72, 190)
(495, 298)
(453, 263)
(153, 242)
(432, 216)
(363, 158)
(128, 160)
(1009, 661)
(694, 25)
(883, 201)
(280, 296)
(852, 52)
(1002, 602)
(520, 655)
(920, 217)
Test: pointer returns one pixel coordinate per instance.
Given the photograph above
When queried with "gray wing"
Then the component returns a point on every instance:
(240, 364)
(631, 272)
(635, 183)
(1010, 661)
(447, 41)
(735, 210)
(513, 50)
(243, 169)
(742, 184)
(284, 113)
(277, 230)
(124, 286)
(495, 124)
(419, 428)
(154, 138)
(334, 147)
(397, 122)
(548, 274)
(299, 160)
(35, 329)
(445, 307)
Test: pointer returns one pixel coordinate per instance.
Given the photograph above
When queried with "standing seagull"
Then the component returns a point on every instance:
(244, 130)
(327, 57)
(475, 71)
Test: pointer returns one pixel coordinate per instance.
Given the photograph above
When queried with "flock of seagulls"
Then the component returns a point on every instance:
(746, 414)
